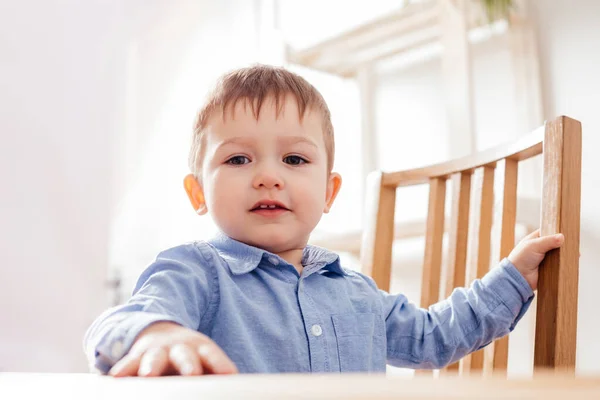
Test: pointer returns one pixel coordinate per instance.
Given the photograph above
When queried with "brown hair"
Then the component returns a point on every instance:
(255, 84)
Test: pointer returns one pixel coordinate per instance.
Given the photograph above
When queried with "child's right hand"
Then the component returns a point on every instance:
(166, 348)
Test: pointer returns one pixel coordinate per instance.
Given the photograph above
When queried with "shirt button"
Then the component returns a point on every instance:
(273, 261)
(316, 330)
(117, 349)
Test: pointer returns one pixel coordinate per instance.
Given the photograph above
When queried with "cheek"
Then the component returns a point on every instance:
(223, 189)
(311, 193)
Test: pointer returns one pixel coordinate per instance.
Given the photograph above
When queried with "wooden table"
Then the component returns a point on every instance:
(87, 386)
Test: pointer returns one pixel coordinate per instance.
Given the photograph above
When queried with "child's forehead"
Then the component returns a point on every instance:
(280, 108)
(272, 118)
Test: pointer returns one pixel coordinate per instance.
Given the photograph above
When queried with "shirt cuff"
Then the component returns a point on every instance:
(117, 343)
(511, 288)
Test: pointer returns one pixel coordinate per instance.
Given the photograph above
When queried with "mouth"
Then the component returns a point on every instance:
(269, 208)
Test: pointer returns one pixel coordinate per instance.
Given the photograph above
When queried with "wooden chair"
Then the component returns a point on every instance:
(478, 203)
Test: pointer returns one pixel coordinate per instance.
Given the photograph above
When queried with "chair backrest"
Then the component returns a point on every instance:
(484, 194)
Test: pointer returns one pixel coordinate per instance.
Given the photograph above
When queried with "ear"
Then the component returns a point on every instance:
(334, 184)
(195, 194)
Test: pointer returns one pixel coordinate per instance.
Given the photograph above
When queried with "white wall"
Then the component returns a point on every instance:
(60, 99)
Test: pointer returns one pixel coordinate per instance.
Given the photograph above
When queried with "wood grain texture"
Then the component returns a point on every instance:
(556, 328)
(458, 237)
(478, 255)
(526, 147)
(376, 249)
(503, 241)
(434, 236)
(432, 263)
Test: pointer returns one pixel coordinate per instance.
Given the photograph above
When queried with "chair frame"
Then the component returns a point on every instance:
(482, 228)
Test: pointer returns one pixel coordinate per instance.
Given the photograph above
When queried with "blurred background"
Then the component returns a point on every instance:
(98, 98)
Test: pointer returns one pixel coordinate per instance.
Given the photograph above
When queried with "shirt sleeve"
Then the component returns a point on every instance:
(176, 287)
(466, 321)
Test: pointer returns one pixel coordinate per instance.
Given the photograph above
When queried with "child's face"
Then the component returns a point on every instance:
(266, 182)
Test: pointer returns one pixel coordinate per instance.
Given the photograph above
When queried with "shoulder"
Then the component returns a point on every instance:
(361, 278)
(189, 259)
(357, 280)
(316, 254)
(192, 252)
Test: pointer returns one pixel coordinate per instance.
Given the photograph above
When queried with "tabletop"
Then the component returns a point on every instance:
(295, 386)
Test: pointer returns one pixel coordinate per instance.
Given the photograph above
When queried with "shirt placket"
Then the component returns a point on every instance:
(315, 330)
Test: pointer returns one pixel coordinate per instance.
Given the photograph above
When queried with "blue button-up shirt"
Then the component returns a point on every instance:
(268, 318)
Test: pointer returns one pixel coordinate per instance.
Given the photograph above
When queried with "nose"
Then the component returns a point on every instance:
(268, 179)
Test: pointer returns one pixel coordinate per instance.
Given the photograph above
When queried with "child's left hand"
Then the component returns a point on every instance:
(530, 252)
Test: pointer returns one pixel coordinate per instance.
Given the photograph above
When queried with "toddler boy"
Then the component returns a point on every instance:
(257, 298)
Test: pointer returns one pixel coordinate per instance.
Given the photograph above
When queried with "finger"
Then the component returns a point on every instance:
(154, 362)
(127, 366)
(185, 360)
(533, 235)
(215, 360)
(547, 243)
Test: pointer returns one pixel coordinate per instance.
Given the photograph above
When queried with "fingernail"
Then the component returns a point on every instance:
(187, 369)
(204, 350)
(145, 370)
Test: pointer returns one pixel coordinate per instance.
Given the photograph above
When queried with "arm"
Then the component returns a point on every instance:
(174, 288)
(468, 320)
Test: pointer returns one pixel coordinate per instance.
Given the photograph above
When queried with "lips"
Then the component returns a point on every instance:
(269, 205)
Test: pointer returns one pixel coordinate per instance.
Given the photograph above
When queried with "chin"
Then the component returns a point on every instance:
(274, 242)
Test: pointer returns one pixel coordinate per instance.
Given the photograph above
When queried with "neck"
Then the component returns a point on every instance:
(294, 257)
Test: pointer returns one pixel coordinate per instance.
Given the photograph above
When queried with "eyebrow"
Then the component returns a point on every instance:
(299, 139)
(290, 140)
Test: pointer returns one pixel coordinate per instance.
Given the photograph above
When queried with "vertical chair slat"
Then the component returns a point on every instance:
(434, 236)
(556, 328)
(376, 248)
(458, 236)
(478, 256)
(503, 241)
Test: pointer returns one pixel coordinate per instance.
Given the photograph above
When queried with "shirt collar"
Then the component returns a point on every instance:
(243, 258)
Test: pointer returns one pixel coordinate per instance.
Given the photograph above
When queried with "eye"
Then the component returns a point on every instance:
(294, 160)
(238, 160)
